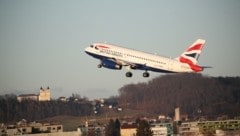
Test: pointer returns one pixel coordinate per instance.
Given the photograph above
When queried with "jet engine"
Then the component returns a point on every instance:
(111, 64)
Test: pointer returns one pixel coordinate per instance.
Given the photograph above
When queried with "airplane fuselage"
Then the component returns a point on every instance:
(136, 59)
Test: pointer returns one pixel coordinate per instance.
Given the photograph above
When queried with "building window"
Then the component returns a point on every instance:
(59, 128)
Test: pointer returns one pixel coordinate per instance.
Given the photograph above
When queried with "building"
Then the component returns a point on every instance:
(31, 128)
(36, 129)
(162, 129)
(44, 95)
(129, 129)
(209, 127)
(189, 128)
(212, 126)
(47, 128)
(227, 133)
(92, 130)
(62, 98)
(177, 114)
(32, 97)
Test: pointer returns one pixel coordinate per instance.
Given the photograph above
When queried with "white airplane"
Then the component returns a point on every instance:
(115, 57)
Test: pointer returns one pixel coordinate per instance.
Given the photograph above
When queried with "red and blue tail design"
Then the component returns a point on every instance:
(191, 55)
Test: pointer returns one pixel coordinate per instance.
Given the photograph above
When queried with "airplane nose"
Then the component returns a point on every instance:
(87, 50)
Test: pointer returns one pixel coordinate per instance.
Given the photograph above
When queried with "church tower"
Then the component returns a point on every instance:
(44, 94)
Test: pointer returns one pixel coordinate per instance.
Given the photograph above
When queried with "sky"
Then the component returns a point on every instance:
(42, 42)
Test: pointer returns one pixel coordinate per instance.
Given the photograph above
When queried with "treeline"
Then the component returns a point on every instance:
(195, 94)
(11, 110)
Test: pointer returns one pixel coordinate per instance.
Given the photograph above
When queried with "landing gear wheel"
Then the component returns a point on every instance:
(145, 74)
(99, 65)
(128, 74)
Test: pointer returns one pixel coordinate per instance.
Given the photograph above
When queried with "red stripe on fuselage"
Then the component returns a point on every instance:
(194, 67)
(195, 47)
(102, 46)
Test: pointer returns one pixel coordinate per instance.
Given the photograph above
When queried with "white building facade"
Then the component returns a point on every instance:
(44, 95)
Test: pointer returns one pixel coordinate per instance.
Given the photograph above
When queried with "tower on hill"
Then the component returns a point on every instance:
(44, 94)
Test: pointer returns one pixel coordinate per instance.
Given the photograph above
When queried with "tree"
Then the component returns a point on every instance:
(117, 127)
(110, 128)
(144, 129)
(212, 95)
(113, 128)
(11, 110)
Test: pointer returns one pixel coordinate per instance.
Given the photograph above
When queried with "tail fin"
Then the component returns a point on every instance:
(191, 55)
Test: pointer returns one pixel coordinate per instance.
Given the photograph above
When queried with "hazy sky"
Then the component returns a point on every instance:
(42, 42)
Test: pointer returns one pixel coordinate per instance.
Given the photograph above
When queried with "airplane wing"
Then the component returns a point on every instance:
(126, 63)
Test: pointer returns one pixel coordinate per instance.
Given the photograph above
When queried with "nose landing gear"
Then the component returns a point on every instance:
(129, 74)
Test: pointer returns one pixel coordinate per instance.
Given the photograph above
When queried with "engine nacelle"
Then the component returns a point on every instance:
(110, 64)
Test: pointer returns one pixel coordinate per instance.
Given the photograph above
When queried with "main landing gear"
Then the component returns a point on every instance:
(128, 74)
(145, 74)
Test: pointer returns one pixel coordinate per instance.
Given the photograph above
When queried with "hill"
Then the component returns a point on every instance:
(195, 94)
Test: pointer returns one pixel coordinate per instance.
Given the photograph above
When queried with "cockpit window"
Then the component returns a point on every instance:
(91, 46)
